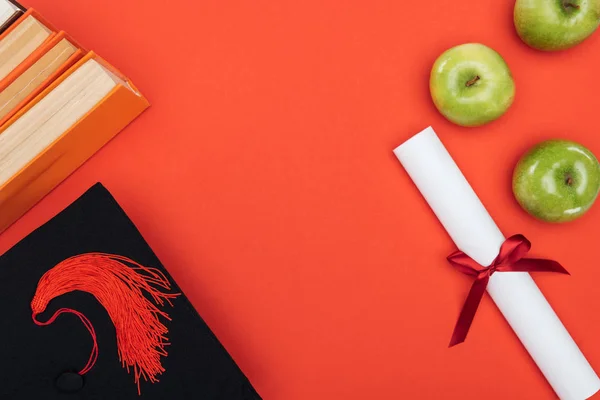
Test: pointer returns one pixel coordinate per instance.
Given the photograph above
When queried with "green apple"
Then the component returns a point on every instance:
(471, 84)
(557, 180)
(552, 25)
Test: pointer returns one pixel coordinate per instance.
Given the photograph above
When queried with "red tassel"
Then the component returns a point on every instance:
(141, 337)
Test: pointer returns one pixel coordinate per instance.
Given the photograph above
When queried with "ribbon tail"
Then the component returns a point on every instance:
(467, 314)
(535, 265)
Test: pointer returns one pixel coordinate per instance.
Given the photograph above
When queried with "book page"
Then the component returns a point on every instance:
(34, 76)
(20, 43)
(7, 10)
(46, 121)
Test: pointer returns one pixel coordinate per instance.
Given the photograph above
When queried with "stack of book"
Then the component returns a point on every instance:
(59, 104)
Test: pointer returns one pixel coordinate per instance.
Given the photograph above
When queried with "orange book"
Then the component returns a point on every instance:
(40, 69)
(21, 40)
(45, 141)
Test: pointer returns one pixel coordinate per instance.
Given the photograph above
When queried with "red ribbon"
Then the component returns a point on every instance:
(510, 259)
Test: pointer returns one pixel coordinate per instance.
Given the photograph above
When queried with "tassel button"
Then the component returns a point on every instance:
(69, 382)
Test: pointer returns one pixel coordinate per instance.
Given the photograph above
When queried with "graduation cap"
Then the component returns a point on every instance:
(89, 312)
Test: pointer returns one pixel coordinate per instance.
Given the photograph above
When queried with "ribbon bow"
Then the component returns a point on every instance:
(510, 259)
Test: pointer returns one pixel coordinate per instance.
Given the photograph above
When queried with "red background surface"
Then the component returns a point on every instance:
(263, 177)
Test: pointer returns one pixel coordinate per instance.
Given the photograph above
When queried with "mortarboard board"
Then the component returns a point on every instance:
(89, 312)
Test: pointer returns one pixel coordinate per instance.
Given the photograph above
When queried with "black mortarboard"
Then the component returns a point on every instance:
(88, 276)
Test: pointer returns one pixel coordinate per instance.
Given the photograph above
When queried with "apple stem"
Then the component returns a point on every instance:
(472, 81)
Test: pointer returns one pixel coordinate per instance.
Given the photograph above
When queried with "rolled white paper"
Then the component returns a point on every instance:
(466, 220)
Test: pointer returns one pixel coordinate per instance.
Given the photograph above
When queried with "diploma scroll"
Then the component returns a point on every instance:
(472, 229)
